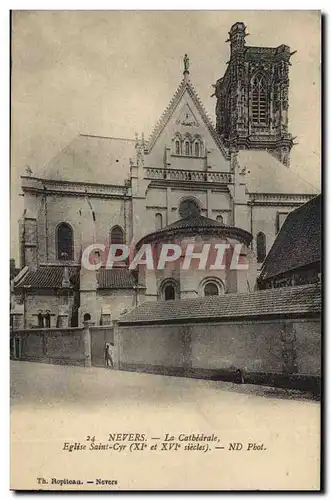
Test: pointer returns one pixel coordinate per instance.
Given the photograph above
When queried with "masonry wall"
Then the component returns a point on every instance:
(264, 218)
(215, 161)
(266, 349)
(57, 346)
(308, 347)
(108, 213)
(118, 302)
(72, 346)
(43, 300)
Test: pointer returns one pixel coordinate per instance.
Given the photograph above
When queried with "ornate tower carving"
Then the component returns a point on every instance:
(252, 97)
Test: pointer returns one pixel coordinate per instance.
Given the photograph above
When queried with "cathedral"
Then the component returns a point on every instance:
(188, 182)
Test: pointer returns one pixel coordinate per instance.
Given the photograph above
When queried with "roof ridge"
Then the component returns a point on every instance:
(242, 294)
(106, 137)
(45, 165)
(161, 122)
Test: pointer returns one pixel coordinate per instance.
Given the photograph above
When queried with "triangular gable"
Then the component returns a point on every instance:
(185, 85)
(187, 117)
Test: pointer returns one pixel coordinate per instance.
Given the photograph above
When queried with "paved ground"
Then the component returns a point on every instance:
(54, 404)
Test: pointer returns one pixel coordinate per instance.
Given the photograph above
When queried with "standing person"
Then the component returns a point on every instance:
(108, 359)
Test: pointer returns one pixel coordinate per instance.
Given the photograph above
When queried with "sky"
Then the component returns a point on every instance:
(112, 73)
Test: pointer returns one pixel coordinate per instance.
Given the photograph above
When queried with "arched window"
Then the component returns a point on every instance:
(197, 149)
(87, 317)
(177, 147)
(211, 286)
(158, 221)
(40, 320)
(189, 208)
(187, 148)
(47, 318)
(220, 219)
(116, 236)
(65, 241)
(260, 247)
(169, 289)
(210, 289)
(169, 292)
(259, 100)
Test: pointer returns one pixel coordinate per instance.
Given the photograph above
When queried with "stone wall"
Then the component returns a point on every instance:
(43, 300)
(72, 346)
(117, 301)
(273, 351)
(52, 345)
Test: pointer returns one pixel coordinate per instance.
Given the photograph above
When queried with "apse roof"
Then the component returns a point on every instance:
(198, 224)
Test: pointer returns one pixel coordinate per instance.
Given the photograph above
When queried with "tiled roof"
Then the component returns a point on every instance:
(118, 278)
(276, 301)
(92, 159)
(52, 276)
(298, 242)
(198, 224)
(48, 277)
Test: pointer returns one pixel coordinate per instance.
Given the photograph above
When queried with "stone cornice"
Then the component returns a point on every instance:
(189, 186)
(167, 234)
(278, 198)
(179, 175)
(66, 188)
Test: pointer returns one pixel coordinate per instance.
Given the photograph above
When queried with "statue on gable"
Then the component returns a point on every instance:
(186, 63)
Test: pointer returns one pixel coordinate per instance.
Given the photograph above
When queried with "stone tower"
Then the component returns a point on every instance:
(252, 97)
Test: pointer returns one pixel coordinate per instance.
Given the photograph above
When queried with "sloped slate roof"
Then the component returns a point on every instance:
(119, 278)
(92, 159)
(276, 301)
(48, 277)
(266, 174)
(298, 242)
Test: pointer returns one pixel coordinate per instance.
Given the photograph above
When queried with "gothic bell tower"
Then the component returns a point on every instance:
(252, 97)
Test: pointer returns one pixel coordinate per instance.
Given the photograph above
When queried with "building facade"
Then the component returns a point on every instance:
(102, 190)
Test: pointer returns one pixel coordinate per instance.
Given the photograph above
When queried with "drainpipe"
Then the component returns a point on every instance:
(251, 204)
(46, 222)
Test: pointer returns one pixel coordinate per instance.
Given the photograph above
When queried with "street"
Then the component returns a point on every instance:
(53, 405)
